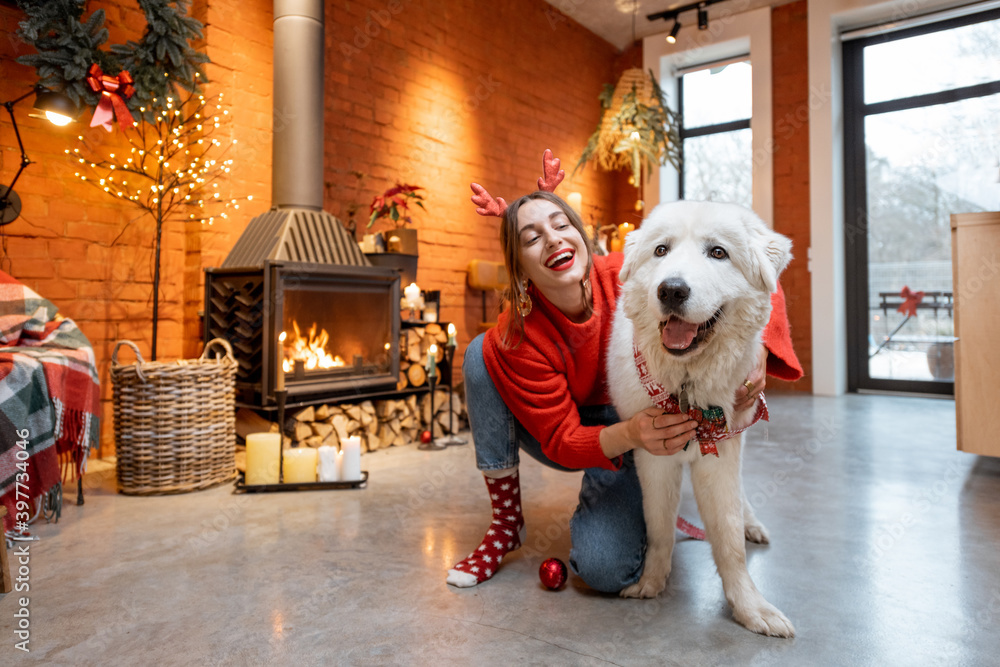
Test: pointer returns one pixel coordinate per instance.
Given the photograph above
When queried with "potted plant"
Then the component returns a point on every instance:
(394, 205)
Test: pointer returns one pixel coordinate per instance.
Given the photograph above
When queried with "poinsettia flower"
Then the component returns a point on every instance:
(394, 203)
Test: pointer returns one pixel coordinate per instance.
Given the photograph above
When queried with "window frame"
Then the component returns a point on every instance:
(705, 130)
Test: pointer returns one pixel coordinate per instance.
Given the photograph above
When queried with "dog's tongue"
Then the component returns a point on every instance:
(678, 334)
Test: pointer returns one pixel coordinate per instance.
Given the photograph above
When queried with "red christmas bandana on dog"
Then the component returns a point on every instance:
(712, 425)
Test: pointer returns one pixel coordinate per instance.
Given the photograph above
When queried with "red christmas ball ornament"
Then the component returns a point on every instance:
(425, 437)
(553, 574)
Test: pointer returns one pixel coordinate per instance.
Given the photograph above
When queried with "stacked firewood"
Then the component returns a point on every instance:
(398, 424)
(447, 417)
(379, 424)
(413, 346)
(320, 425)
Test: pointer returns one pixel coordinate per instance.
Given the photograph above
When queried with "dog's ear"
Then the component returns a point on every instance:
(631, 250)
(770, 253)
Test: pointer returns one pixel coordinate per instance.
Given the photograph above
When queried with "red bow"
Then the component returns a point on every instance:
(114, 91)
(712, 424)
(910, 302)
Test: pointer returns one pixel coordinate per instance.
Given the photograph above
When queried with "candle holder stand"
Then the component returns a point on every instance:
(281, 395)
(431, 445)
(451, 439)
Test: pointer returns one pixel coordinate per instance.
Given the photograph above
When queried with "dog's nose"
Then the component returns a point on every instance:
(673, 292)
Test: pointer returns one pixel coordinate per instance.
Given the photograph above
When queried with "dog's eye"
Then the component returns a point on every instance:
(718, 252)
(661, 250)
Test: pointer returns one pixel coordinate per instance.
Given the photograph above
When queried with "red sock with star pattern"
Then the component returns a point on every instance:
(503, 536)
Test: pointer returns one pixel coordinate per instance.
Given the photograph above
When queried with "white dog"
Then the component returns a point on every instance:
(697, 283)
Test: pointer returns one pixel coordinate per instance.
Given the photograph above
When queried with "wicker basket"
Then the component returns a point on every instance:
(175, 423)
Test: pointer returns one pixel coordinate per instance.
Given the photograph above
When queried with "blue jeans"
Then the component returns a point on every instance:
(607, 529)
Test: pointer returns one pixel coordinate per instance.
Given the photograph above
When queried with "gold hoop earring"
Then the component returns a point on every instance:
(524, 304)
(585, 284)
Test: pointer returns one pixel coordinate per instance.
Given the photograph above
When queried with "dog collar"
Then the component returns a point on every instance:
(712, 424)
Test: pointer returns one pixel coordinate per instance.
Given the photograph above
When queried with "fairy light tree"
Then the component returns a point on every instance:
(153, 90)
(172, 170)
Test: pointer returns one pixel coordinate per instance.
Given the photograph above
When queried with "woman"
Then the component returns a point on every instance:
(536, 382)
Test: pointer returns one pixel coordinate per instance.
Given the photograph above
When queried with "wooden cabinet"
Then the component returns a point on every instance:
(975, 247)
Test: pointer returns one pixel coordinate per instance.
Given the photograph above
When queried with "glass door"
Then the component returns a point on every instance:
(922, 141)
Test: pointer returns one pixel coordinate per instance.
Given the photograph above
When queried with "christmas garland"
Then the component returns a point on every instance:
(68, 48)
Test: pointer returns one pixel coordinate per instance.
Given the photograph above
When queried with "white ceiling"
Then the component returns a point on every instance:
(612, 19)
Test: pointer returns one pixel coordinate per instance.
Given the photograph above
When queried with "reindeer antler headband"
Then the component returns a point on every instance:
(552, 176)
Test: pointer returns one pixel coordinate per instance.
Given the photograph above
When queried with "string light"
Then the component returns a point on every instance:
(180, 186)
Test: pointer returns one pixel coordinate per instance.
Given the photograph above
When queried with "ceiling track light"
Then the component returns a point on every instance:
(674, 15)
(672, 37)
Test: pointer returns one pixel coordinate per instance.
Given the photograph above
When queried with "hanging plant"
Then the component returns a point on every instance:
(158, 64)
(637, 128)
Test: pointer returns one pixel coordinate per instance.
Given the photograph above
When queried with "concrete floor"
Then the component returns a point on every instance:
(884, 552)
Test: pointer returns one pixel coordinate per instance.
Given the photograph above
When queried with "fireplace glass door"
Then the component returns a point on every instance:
(336, 333)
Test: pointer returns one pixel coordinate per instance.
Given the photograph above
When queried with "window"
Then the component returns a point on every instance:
(921, 142)
(716, 141)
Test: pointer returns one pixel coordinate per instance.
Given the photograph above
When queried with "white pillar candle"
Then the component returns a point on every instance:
(350, 460)
(411, 294)
(451, 334)
(328, 471)
(575, 200)
(300, 465)
(263, 453)
(430, 311)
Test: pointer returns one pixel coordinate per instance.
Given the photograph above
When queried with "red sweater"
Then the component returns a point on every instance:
(560, 365)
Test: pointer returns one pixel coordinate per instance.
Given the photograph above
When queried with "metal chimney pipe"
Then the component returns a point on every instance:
(297, 153)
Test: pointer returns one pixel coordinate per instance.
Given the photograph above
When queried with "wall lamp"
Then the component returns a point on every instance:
(674, 14)
(58, 109)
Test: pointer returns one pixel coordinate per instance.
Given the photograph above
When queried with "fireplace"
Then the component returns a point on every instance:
(295, 272)
(323, 332)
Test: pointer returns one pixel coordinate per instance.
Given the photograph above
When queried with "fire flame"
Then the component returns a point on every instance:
(311, 350)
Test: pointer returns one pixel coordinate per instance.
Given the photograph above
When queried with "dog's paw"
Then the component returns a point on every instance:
(756, 532)
(646, 587)
(764, 619)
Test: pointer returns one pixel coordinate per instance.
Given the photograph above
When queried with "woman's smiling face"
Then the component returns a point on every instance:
(552, 252)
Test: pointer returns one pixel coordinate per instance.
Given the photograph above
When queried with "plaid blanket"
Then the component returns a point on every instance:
(49, 396)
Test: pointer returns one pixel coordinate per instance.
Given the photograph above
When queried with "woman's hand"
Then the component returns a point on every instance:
(747, 393)
(660, 433)
(652, 429)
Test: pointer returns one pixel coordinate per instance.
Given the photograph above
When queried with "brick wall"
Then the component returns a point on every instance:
(437, 94)
(790, 72)
(444, 94)
(238, 39)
